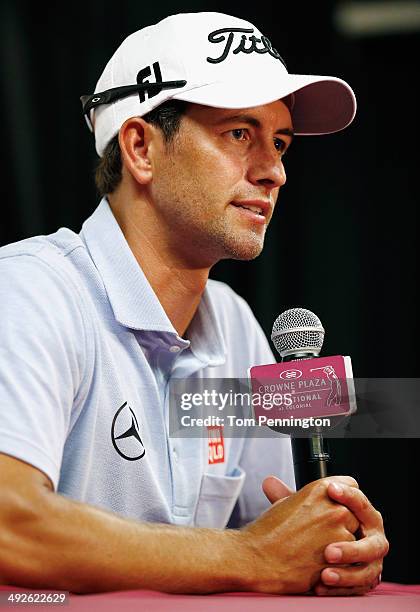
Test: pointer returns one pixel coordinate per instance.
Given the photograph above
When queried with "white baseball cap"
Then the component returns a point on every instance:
(215, 60)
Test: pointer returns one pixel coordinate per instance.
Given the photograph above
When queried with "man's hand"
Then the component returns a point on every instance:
(367, 552)
(286, 543)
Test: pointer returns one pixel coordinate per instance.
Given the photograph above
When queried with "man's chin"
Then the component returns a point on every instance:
(245, 252)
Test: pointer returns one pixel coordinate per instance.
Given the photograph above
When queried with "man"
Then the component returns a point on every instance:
(192, 118)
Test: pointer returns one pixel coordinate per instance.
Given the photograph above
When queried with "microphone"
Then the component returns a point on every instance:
(298, 334)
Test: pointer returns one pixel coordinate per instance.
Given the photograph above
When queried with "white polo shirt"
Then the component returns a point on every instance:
(86, 357)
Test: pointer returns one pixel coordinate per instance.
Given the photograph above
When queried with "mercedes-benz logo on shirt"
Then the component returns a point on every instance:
(125, 434)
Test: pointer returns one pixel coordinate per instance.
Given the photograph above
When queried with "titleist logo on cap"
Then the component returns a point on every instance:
(220, 36)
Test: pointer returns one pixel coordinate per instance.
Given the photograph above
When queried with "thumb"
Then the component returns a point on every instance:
(275, 489)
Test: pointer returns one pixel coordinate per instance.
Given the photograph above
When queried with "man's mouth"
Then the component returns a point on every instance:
(255, 209)
(259, 209)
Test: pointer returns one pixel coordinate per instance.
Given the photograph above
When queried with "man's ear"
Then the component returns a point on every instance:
(135, 138)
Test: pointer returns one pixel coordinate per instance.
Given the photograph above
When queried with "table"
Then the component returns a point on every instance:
(387, 597)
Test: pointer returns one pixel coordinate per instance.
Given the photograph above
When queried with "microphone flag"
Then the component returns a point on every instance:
(317, 387)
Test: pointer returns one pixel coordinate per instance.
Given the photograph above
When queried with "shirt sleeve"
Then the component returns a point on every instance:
(42, 349)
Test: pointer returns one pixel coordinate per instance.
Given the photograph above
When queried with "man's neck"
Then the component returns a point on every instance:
(177, 287)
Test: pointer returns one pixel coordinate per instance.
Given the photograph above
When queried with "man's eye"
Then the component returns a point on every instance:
(280, 145)
(239, 133)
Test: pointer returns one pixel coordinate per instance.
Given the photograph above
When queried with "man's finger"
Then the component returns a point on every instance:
(275, 489)
(324, 591)
(346, 480)
(357, 576)
(368, 549)
(356, 501)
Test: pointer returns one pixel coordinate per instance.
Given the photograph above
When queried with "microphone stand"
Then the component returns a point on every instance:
(310, 455)
(310, 459)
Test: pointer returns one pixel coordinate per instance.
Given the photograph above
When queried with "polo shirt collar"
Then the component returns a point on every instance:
(132, 299)
(205, 334)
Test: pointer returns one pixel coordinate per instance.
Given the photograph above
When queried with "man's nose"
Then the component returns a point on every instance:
(266, 168)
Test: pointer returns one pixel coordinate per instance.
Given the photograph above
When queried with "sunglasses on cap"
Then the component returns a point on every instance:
(118, 93)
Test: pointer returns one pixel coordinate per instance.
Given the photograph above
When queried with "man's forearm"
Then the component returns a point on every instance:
(80, 548)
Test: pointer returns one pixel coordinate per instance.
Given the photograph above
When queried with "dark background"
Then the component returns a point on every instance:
(343, 241)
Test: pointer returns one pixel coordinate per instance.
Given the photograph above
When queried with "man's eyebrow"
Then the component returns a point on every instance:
(244, 118)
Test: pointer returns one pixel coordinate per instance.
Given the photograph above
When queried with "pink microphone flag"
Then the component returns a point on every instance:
(318, 387)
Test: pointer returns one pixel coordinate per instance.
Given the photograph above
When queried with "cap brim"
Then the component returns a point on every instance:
(322, 105)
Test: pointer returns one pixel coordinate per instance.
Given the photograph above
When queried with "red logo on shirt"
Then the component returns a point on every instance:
(216, 445)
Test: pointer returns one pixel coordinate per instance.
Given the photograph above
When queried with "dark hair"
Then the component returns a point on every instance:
(167, 117)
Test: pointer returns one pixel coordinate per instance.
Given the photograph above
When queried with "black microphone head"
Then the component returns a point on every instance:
(298, 331)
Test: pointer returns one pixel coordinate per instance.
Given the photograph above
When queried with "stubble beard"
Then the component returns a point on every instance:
(218, 239)
(240, 244)
(210, 238)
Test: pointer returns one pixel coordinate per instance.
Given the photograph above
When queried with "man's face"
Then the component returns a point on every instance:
(222, 164)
